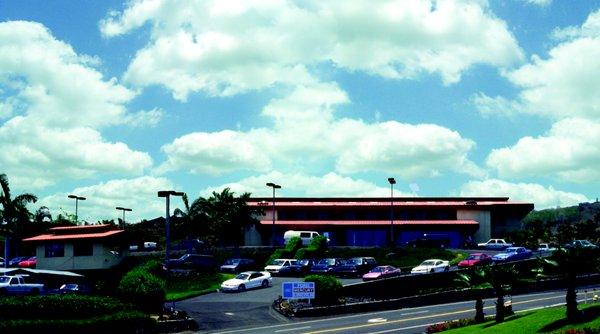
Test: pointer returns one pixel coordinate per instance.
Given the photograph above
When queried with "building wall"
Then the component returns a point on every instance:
(102, 258)
(483, 217)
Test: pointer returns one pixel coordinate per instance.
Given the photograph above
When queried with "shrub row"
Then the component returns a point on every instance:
(120, 322)
(328, 289)
(143, 288)
(291, 247)
(316, 249)
(58, 307)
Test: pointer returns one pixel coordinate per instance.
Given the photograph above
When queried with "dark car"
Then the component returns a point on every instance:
(512, 254)
(193, 262)
(580, 244)
(355, 267)
(237, 265)
(430, 241)
(300, 268)
(71, 288)
(325, 266)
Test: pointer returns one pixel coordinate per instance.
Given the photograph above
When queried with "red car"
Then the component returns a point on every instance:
(28, 263)
(475, 259)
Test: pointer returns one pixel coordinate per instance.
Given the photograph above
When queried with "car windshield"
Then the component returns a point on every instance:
(277, 262)
(69, 287)
(242, 276)
(354, 261)
(428, 263)
(233, 261)
(327, 262)
(4, 279)
(511, 250)
(378, 269)
(474, 257)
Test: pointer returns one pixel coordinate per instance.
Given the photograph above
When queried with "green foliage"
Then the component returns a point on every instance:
(144, 289)
(181, 287)
(293, 245)
(316, 249)
(58, 306)
(121, 322)
(328, 289)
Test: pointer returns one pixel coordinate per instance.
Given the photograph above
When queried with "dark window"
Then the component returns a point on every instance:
(83, 249)
(55, 250)
(305, 235)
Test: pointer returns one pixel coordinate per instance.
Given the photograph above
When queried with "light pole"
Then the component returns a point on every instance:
(166, 194)
(123, 209)
(274, 186)
(77, 199)
(392, 181)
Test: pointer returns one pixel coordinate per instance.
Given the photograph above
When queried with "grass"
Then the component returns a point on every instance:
(194, 285)
(548, 320)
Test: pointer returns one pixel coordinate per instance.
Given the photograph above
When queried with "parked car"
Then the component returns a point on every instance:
(475, 259)
(1, 262)
(300, 268)
(512, 254)
(193, 262)
(430, 240)
(237, 265)
(431, 266)
(381, 272)
(306, 236)
(495, 244)
(325, 266)
(248, 280)
(275, 266)
(71, 288)
(546, 248)
(355, 267)
(14, 262)
(580, 244)
(30, 262)
(16, 285)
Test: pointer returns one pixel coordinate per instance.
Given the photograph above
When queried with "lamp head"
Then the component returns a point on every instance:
(391, 180)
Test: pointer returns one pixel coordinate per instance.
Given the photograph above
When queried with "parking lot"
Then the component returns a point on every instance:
(220, 310)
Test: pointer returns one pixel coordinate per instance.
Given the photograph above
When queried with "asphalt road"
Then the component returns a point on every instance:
(410, 320)
(220, 311)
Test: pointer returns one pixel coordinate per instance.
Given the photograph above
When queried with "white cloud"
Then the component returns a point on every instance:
(54, 102)
(306, 133)
(569, 151)
(542, 197)
(226, 47)
(138, 194)
(496, 106)
(303, 185)
(542, 3)
(144, 118)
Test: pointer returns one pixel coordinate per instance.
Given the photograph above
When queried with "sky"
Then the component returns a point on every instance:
(116, 100)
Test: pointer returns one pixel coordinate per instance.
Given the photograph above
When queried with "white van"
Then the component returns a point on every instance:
(306, 236)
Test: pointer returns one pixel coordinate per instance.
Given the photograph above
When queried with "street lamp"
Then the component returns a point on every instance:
(274, 186)
(166, 194)
(392, 181)
(77, 199)
(123, 209)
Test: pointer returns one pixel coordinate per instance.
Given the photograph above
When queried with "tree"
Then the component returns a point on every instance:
(14, 212)
(475, 280)
(501, 278)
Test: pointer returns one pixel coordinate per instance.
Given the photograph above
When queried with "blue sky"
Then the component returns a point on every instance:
(114, 101)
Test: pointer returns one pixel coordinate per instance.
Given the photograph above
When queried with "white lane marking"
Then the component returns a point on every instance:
(228, 313)
(377, 320)
(291, 329)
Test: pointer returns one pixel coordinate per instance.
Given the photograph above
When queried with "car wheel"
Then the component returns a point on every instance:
(432, 270)
(265, 284)
(3, 292)
(35, 292)
(241, 288)
(447, 269)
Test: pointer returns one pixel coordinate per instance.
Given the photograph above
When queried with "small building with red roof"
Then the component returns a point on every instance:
(368, 221)
(88, 247)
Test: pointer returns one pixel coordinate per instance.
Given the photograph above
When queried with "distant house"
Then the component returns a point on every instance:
(79, 247)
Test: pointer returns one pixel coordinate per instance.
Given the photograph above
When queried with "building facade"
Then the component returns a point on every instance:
(373, 221)
(88, 247)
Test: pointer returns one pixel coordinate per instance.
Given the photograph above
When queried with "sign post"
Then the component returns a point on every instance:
(298, 290)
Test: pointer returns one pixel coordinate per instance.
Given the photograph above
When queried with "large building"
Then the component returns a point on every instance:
(369, 222)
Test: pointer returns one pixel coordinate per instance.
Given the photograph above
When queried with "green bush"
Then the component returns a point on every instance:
(58, 306)
(287, 252)
(120, 322)
(143, 289)
(316, 249)
(293, 245)
(328, 289)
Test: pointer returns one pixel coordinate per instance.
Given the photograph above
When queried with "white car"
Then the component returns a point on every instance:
(248, 280)
(500, 244)
(431, 266)
(546, 248)
(277, 264)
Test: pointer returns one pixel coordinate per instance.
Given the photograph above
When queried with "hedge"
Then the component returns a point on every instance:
(328, 289)
(143, 289)
(58, 307)
(120, 322)
(291, 247)
(316, 249)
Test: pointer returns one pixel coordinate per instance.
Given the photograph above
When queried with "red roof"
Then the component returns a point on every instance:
(49, 237)
(80, 227)
(370, 222)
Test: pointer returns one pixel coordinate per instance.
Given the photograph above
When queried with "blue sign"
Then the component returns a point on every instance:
(298, 290)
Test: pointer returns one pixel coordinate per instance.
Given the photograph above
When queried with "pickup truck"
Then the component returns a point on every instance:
(499, 244)
(15, 285)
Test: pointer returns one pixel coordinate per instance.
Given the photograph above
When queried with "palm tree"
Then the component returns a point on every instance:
(475, 280)
(14, 212)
